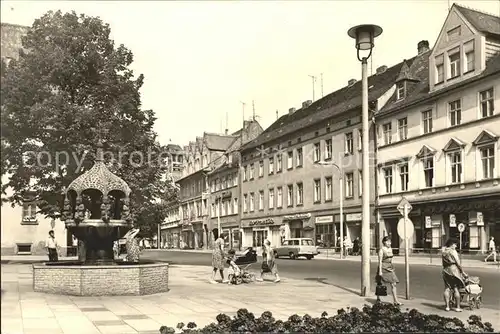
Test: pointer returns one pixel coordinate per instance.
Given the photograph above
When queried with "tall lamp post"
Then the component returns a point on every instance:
(364, 36)
(341, 204)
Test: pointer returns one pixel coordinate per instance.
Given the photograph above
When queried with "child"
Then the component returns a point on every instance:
(233, 271)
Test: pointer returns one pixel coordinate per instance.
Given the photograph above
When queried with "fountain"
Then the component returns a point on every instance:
(96, 211)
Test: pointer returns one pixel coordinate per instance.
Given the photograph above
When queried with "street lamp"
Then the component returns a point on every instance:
(341, 204)
(364, 36)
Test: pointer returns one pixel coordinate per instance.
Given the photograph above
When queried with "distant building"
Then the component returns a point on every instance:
(438, 137)
(24, 230)
(191, 227)
(225, 190)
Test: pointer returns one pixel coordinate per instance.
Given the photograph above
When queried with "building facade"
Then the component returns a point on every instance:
(191, 218)
(23, 229)
(287, 193)
(438, 138)
(225, 190)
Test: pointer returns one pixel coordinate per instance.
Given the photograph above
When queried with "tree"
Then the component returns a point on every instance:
(70, 87)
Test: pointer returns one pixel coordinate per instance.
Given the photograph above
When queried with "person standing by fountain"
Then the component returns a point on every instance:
(132, 245)
(52, 247)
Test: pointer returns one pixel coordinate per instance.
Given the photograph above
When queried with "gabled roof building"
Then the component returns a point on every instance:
(437, 138)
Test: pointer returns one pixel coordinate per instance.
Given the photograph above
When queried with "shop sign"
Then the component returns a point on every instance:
(298, 216)
(261, 222)
(428, 222)
(324, 219)
(353, 217)
(480, 219)
(453, 220)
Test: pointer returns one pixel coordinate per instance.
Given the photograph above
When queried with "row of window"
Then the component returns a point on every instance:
(454, 172)
(224, 207)
(486, 106)
(295, 194)
(224, 182)
(322, 150)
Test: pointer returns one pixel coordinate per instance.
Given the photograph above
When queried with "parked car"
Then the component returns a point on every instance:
(297, 247)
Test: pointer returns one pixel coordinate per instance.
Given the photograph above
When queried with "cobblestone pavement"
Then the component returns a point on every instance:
(191, 298)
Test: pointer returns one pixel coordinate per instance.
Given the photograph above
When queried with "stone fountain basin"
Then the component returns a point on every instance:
(117, 279)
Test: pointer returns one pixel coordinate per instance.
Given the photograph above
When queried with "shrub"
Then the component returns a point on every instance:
(375, 319)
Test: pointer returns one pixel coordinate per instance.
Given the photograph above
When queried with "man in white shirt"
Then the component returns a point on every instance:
(493, 250)
(52, 246)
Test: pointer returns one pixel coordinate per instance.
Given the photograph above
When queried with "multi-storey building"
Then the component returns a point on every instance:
(225, 187)
(24, 230)
(437, 137)
(194, 229)
(287, 193)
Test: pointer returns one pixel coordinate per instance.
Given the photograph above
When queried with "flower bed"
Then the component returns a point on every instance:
(380, 318)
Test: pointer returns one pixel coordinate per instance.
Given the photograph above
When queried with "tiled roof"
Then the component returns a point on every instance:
(217, 142)
(338, 102)
(174, 148)
(488, 24)
(420, 91)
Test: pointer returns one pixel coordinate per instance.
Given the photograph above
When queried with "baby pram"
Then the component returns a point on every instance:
(471, 292)
(244, 261)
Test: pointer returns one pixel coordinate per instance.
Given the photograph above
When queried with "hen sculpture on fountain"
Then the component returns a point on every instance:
(96, 210)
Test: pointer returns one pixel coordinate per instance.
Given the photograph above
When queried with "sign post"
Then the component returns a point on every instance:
(405, 231)
(461, 229)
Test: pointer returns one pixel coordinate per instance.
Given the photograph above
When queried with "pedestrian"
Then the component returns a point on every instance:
(218, 259)
(453, 274)
(268, 262)
(52, 247)
(493, 250)
(386, 272)
(356, 246)
(347, 246)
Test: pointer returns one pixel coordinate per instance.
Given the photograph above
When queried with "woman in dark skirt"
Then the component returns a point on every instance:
(386, 271)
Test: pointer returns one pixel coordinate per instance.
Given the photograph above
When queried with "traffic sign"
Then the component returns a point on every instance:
(410, 229)
(401, 206)
(461, 227)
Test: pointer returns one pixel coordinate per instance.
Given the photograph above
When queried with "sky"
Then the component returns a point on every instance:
(202, 59)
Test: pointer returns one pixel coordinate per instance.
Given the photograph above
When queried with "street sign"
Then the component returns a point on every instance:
(410, 229)
(402, 204)
(461, 227)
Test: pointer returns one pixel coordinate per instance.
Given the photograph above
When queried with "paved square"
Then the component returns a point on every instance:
(191, 298)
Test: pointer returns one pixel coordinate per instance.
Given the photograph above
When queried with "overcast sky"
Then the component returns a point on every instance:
(201, 59)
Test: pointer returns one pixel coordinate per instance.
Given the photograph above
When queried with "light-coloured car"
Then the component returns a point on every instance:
(297, 247)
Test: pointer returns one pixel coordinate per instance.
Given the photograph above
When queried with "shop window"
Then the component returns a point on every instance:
(259, 236)
(436, 237)
(473, 237)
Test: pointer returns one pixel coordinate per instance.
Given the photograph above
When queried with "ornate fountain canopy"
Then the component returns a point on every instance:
(99, 177)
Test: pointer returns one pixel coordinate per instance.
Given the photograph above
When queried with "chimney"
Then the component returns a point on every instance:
(306, 104)
(422, 47)
(351, 82)
(291, 111)
(381, 69)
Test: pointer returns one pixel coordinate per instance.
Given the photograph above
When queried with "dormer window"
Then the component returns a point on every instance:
(439, 61)
(454, 33)
(469, 57)
(454, 58)
(400, 90)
